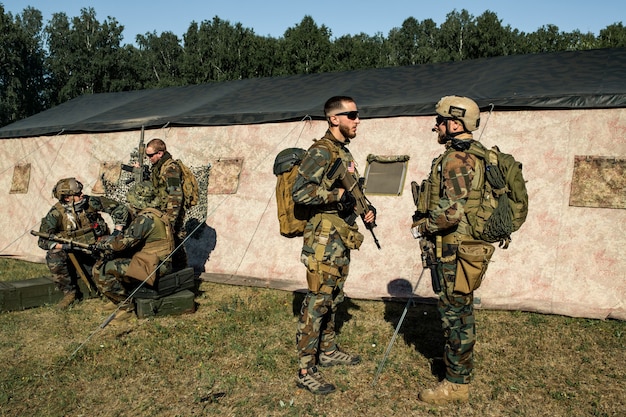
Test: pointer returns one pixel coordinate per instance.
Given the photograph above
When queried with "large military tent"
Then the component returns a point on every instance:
(563, 115)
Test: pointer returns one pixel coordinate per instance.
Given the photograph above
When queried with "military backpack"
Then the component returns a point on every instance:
(498, 208)
(189, 186)
(292, 217)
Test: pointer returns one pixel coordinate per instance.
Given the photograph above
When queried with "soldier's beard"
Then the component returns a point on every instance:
(345, 131)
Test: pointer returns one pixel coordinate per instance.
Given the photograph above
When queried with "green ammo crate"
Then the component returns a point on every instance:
(181, 302)
(34, 292)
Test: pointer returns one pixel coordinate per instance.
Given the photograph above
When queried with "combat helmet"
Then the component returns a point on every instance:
(67, 187)
(460, 108)
(143, 195)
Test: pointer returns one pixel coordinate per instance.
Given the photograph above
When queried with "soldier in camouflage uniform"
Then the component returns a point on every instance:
(149, 234)
(325, 253)
(166, 176)
(75, 216)
(450, 181)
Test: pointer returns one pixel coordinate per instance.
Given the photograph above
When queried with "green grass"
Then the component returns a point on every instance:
(236, 357)
(12, 270)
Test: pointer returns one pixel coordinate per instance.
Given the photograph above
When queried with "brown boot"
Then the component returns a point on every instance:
(66, 301)
(445, 392)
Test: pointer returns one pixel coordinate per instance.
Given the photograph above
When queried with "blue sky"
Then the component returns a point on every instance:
(343, 17)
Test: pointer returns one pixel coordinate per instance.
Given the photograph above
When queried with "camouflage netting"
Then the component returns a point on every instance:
(194, 216)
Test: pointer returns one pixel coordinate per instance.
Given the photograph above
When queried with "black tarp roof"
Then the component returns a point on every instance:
(564, 80)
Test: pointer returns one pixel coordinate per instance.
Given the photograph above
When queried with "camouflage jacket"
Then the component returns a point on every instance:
(450, 180)
(312, 187)
(148, 232)
(65, 221)
(166, 177)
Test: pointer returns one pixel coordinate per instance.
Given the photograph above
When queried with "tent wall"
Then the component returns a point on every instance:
(564, 260)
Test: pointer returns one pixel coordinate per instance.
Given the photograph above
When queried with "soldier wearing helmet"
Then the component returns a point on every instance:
(141, 252)
(445, 226)
(75, 216)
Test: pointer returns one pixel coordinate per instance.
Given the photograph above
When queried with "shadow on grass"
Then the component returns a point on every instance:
(421, 327)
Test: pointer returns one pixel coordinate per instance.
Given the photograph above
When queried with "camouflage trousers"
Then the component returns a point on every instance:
(457, 319)
(316, 326)
(108, 275)
(62, 270)
(112, 282)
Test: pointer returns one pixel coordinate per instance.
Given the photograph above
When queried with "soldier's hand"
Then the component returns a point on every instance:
(66, 247)
(370, 216)
(418, 229)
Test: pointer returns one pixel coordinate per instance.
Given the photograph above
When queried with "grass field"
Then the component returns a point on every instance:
(236, 357)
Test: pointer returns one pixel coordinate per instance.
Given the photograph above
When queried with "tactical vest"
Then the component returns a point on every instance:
(86, 226)
(161, 240)
(336, 151)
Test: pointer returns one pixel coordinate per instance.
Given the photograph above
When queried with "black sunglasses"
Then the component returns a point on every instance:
(150, 155)
(352, 115)
(439, 120)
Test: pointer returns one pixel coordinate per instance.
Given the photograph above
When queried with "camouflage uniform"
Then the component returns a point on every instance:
(167, 178)
(148, 232)
(450, 179)
(81, 222)
(324, 253)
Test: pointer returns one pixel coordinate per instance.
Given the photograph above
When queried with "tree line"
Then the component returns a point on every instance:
(42, 66)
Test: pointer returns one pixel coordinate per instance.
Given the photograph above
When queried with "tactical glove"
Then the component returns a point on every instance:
(346, 203)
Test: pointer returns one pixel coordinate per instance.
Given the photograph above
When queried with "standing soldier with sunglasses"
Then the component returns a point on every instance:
(167, 178)
(328, 239)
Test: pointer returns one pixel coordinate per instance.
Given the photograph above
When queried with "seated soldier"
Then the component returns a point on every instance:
(77, 217)
(140, 253)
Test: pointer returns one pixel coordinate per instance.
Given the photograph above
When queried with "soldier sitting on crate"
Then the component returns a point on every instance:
(77, 217)
(140, 253)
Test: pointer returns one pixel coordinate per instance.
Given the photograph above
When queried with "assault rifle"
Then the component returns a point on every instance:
(353, 186)
(140, 171)
(421, 195)
(74, 244)
(83, 247)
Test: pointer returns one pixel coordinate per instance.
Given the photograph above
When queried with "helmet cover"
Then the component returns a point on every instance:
(460, 108)
(67, 187)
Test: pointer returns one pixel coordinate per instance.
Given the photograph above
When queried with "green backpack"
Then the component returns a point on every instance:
(498, 208)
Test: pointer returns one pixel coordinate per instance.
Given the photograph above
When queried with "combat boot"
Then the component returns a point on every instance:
(66, 301)
(338, 357)
(314, 382)
(445, 392)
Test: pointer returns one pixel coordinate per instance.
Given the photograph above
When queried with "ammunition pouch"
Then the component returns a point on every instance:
(350, 235)
(421, 198)
(473, 258)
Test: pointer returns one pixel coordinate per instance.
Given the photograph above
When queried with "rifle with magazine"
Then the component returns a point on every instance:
(362, 205)
(421, 195)
(140, 171)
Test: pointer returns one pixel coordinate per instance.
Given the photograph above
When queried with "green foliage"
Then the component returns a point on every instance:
(44, 66)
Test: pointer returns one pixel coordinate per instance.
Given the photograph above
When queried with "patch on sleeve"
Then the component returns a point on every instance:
(458, 171)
